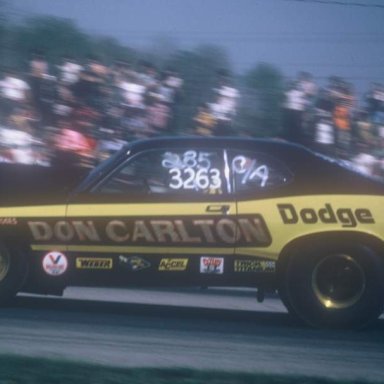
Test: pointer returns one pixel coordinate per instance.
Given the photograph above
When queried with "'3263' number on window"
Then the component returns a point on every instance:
(189, 178)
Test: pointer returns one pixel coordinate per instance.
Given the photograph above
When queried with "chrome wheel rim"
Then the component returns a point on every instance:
(4, 266)
(338, 281)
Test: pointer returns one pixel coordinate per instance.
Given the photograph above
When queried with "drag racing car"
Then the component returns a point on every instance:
(208, 212)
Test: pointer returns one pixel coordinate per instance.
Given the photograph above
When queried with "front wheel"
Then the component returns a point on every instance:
(335, 285)
(13, 271)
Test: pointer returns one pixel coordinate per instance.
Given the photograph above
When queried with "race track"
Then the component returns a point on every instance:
(217, 329)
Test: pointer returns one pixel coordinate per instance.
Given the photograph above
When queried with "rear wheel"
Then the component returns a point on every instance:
(335, 285)
(13, 271)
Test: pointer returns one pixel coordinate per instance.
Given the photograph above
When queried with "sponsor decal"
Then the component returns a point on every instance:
(8, 221)
(243, 230)
(250, 265)
(133, 263)
(173, 264)
(347, 217)
(214, 265)
(93, 263)
(55, 263)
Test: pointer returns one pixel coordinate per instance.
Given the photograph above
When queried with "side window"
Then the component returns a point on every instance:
(134, 176)
(253, 171)
(169, 171)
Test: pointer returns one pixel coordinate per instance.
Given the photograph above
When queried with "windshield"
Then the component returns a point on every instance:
(101, 169)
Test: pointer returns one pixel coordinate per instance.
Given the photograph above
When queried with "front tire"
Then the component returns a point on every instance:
(13, 271)
(335, 285)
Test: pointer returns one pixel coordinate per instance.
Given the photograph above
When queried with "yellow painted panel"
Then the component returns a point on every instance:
(312, 209)
(35, 211)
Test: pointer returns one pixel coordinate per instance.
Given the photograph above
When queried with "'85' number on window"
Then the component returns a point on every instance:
(189, 178)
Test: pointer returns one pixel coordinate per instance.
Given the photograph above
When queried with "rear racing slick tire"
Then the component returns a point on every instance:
(13, 271)
(335, 285)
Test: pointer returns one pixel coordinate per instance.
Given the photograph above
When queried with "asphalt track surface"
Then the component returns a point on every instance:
(218, 329)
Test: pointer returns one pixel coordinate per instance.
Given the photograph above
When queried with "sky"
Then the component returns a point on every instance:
(323, 37)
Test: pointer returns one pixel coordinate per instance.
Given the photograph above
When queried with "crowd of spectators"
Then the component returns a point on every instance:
(333, 121)
(78, 113)
(84, 111)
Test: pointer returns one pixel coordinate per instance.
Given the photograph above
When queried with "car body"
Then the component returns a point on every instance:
(209, 212)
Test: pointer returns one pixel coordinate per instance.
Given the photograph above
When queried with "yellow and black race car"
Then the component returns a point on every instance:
(209, 212)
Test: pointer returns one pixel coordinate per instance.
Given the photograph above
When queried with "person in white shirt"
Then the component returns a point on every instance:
(70, 71)
(133, 92)
(14, 92)
(224, 106)
(325, 136)
(364, 161)
(294, 107)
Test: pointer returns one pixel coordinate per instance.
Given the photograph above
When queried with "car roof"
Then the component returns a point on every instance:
(286, 151)
(266, 145)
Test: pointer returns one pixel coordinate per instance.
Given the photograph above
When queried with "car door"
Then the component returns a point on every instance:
(159, 210)
(258, 182)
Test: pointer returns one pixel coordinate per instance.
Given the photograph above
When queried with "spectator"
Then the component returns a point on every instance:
(87, 89)
(379, 153)
(18, 142)
(71, 146)
(38, 66)
(224, 105)
(15, 93)
(38, 71)
(307, 85)
(163, 91)
(133, 91)
(227, 96)
(364, 161)
(293, 110)
(158, 116)
(375, 104)
(344, 102)
(205, 121)
(148, 75)
(97, 68)
(85, 120)
(325, 136)
(21, 118)
(70, 71)
(137, 124)
(173, 80)
(364, 129)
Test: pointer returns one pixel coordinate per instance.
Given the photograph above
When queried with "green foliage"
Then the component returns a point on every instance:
(265, 85)
(261, 88)
(160, 50)
(108, 50)
(51, 36)
(4, 34)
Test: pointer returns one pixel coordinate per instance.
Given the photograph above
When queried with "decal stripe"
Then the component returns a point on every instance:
(124, 249)
(49, 247)
(141, 210)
